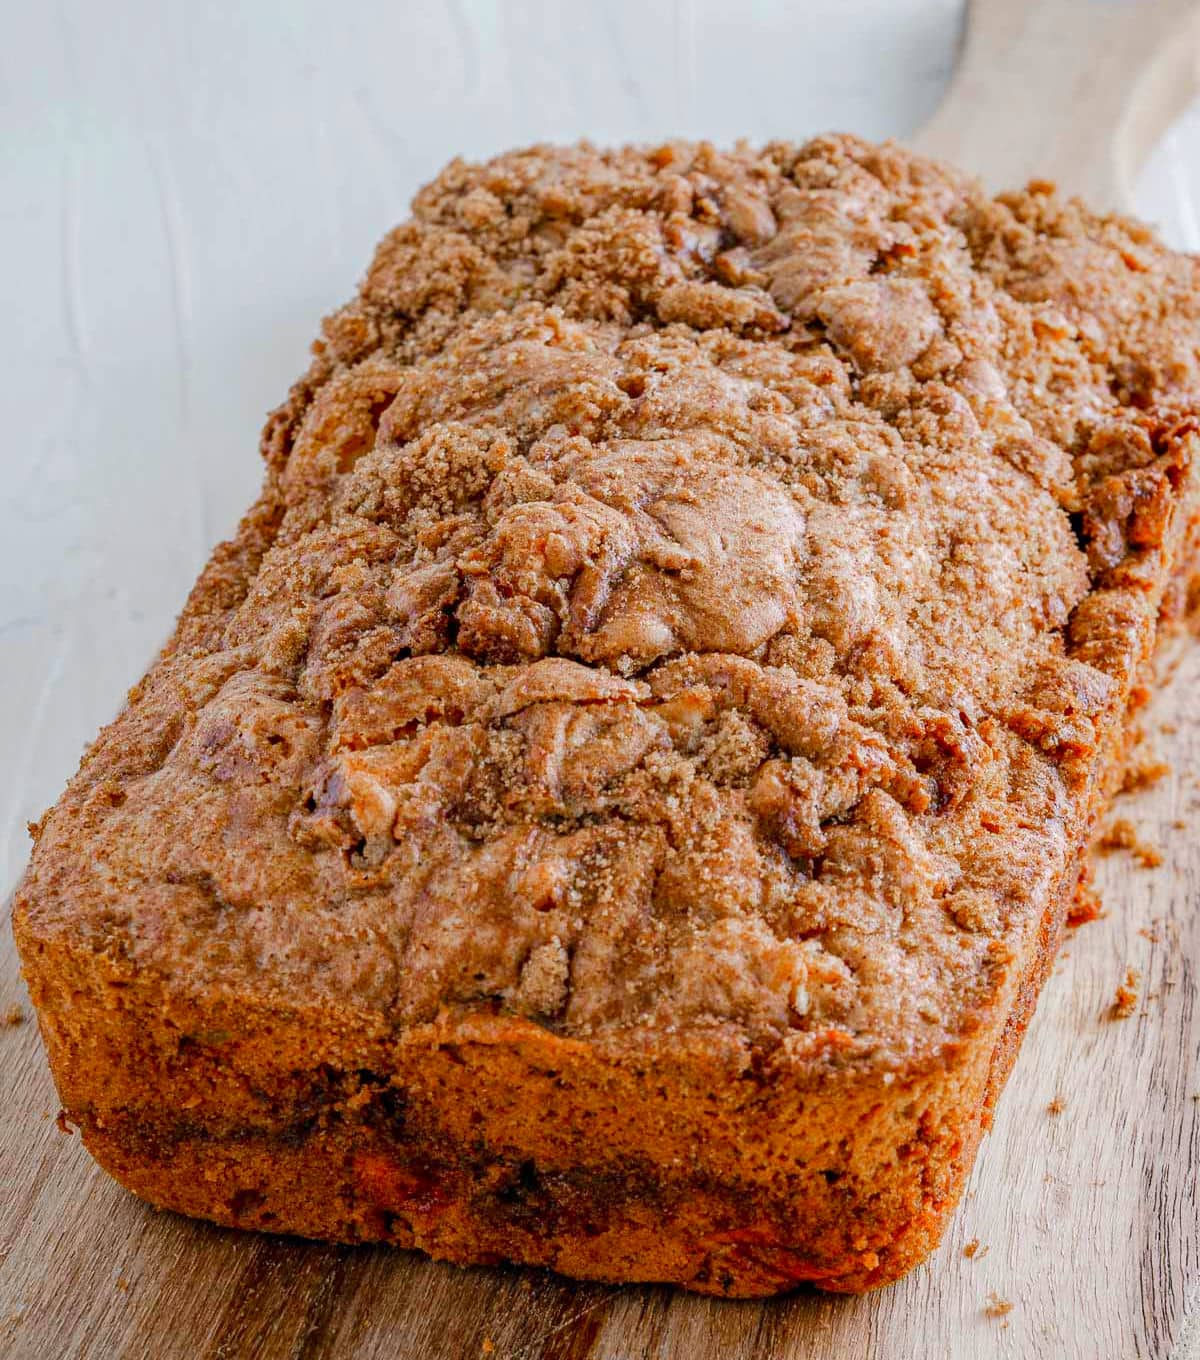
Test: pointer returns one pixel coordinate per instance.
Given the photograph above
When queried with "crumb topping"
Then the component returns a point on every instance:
(682, 595)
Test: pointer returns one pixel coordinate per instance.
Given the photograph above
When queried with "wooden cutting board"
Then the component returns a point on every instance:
(1083, 1204)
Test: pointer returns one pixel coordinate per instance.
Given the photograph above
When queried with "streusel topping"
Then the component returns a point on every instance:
(668, 606)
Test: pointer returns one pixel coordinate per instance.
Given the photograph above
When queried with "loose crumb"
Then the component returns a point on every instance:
(973, 1251)
(996, 1307)
(1085, 907)
(1179, 824)
(1056, 1106)
(1143, 774)
(1122, 835)
(12, 1017)
(489, 1346)
(1125, 1001)
(122, 1283)
(1169, 728)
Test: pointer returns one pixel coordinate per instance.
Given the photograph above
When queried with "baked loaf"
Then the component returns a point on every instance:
(615, 801)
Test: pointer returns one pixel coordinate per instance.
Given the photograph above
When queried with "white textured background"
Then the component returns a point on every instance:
(186, 188)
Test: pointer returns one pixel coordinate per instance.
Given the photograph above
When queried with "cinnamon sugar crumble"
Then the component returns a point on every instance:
(973, 1251)
(675, 586)
(996, 1307)
(1122, 835)
(1125, 1001)
(1056, 1106)
(1085, 905)
(1144, 773)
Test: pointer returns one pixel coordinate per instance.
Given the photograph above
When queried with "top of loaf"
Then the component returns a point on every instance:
(668, 608)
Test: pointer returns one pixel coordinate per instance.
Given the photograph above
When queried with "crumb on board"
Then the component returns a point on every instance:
(122, 1283)
(12, 1016)
(1085, 905)
(489, 1346)
(1122, 835)
(1056, 1106)
(996, 1307)
(1170, 728)
(1124, 1003)
(973, 1251)
(1142, 774)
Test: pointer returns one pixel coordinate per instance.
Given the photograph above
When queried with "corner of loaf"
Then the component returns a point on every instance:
(614, 803)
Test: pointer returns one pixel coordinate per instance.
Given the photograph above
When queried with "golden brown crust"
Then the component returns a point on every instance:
(682, 647)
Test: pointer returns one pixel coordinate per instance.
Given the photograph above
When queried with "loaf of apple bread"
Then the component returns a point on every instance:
(614, 802)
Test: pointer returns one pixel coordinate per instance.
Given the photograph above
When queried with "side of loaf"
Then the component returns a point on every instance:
(615, 801)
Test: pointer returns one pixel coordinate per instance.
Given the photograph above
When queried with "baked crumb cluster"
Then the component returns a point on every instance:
(668, 607)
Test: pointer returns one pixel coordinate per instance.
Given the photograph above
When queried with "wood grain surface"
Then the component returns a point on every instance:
(165, 302)
(1073, 91)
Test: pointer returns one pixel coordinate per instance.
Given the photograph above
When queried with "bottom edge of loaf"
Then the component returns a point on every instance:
(316, 1191)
